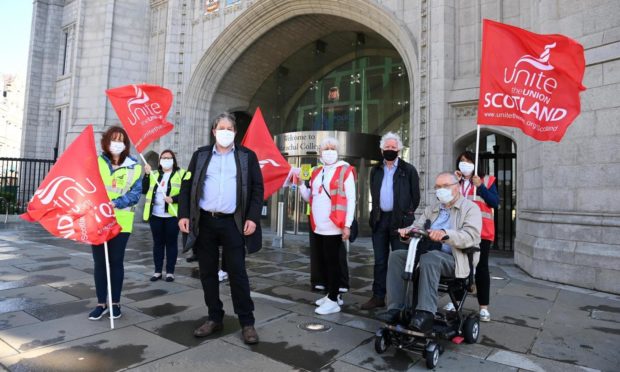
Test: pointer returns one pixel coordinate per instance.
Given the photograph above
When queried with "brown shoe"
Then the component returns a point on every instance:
(208, 328)
(374, 302)
(249, 334)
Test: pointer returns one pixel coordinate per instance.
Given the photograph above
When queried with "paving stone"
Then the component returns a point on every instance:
(532, 363)
(215, 355)
(520, 310)
(573, 336)
(365, 356)
(65, 329)
(507, 336)
(341, 366)
(520, 289)
(284, 341)
(172, 304)
(109, 351)
(31, 297)
(451, 361)
(64, 309)
(16, 319)
(6, 350)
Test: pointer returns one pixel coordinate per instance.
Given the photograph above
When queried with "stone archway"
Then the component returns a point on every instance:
(257, 21)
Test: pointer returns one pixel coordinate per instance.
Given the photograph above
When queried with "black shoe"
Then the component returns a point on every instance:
(391, 316)
(192, 258)
(422, 321)
(155, 277)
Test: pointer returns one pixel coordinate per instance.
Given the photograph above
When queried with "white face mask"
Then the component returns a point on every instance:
(444, 195)
(329, 157)
(224, 137)
(466, 168)
(166, 163)
(116, 147)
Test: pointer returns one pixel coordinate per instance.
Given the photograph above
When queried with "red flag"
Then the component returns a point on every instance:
(142, 109)
(72, 201)
(274, 167)
(529, 81)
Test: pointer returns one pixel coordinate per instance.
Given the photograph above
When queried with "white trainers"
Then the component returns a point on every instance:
(327, 307)
(449, 307)
(222, 275)
(343, 290)
(321, 300)
(319, 287)
(485, 316)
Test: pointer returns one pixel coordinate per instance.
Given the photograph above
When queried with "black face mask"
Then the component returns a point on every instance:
(390, 155)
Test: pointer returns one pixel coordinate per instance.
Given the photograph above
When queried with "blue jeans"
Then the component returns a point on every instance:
(116, 253)
(382, 239)
(165, 232)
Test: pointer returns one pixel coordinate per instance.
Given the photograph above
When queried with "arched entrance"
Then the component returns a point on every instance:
(271, 57)
(255, 44)
(498, 157)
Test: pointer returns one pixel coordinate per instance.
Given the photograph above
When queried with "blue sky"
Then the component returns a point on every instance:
(15, 20)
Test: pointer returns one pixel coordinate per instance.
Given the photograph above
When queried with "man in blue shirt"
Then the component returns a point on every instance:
(218, 209)
(395, 192)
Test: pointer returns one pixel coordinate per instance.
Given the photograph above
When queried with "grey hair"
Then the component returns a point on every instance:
(224, 115)
(391, 136)
(451, 174)
(328, 141)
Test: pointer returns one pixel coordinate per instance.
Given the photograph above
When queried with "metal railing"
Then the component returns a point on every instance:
(19, 179)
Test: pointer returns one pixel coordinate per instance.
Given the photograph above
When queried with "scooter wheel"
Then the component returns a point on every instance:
(432, 355)
(381, 341)
(471, 330)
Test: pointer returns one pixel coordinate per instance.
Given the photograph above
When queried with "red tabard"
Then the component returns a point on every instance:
(338, 198)
(488, 223)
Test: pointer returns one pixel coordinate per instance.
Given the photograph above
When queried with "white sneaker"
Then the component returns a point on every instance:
(343, 290)
(321, 300)
(328, 307)
(222, 275)
(319, 287)
(485, 316)
(449, 307)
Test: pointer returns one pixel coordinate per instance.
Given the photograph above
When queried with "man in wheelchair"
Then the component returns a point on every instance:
(455, 225)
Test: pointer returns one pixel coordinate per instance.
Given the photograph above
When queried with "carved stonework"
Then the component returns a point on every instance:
(424, 88)
(466, 111)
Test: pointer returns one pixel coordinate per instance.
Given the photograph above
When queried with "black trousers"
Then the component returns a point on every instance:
(329, 247)
(483, 278)
(318, 268)
(216, 232)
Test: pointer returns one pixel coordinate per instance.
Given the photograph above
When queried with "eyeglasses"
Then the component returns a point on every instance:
(437, 187)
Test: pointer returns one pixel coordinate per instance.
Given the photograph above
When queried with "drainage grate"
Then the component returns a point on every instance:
(314, 327)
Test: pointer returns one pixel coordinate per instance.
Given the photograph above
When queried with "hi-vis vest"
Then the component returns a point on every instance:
(337, 194)
(118, 183)
(175, 189)
(488, 223)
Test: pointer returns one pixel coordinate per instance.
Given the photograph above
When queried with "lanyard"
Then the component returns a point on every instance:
(464, 191)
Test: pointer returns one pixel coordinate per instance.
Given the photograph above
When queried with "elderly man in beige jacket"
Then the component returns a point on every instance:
(456, 223)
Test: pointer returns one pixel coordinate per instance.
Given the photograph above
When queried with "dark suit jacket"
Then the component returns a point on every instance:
(406, 195)
(249, 193)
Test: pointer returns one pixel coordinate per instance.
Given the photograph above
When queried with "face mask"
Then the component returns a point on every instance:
(390, 155)
(329, 157)
(116, 147)
(166, 163)
(224, 137)
(444, 195)
(466, 168)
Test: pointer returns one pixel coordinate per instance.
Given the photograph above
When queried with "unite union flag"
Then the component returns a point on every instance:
(273, 166)
(529, 81)
(72, 201)
(142, 109)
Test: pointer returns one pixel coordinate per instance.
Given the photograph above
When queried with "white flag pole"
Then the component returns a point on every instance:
(107, 273)
(476, 162)
(143, 159)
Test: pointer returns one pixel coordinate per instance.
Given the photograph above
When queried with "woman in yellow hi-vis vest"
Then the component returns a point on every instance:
(162, 188)
(121, 176)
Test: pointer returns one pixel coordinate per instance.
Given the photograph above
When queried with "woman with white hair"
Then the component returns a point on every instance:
(332, 209)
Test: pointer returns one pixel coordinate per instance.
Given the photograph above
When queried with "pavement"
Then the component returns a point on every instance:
(47, 290)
